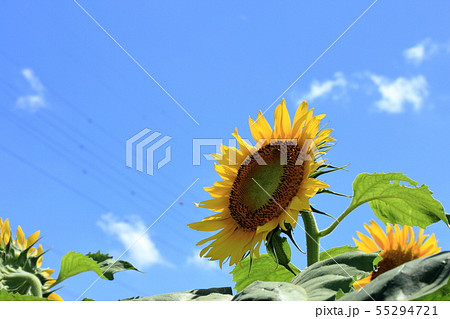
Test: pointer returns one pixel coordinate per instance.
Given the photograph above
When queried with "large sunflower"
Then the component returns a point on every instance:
(19, 258)
(397, 246)
(263, 187)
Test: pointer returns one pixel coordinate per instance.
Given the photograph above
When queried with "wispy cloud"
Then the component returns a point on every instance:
(397, 93)
(32, 102)
(200, 262)
(421, 51)
(319, 89)
(144, 252)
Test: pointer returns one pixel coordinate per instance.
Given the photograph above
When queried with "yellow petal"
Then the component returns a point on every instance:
(260, 129)
(378, 235)
(47, 272)
(245, 148)
(299, 203)
(55, 297)
(6, 232)
(209, 225)
(300, 118)
(215, 204)
(30, 241)
(268, 227)
(289, 217)
(361, 283)
(310, 187)
(218, 191)
(368, 242)
(20, 236)
(282, 127)
(225, 171)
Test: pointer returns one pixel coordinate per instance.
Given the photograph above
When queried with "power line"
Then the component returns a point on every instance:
(105, 131)
(54, 178)
(60, 148)
(76, 142)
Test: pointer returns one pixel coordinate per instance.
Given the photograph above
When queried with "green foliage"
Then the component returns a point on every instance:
(395, 203)
(263, 269)
(278, 248)
(20, 272)
(423, 279)
(103, 265)
(324, 279)
(329, 191)
(271, 291)
(22, 282)
(442, 294)
(109, 266)
(336, 251)
(212, 294)
(9, 296)
(74, 263)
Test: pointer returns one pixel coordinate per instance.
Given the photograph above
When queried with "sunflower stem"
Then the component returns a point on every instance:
(312, 237)
(328, 230)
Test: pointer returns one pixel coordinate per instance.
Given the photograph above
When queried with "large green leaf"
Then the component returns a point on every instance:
(9, 296)
(410, 281)
(109, 266)
(442, 294)
(212, 294)
(324, 279)
(262, 269)
(336, 251)
(74, 263)
(271, 291)
(395, 203)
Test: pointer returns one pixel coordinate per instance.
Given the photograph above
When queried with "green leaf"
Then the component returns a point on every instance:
(322, 170)
(278, 248)
(328, 191)
(212, 294)
(271, 291)
(416, 279)
(336, 251)
(263, 269)
(324, 279)
(339, 294)
(442, 294)
(109, 266)
(395, 203)
(9, 296)
(74, 263)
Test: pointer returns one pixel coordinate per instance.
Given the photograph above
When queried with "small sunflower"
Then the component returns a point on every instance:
(18, 257)
(262, 189)
(397, 246)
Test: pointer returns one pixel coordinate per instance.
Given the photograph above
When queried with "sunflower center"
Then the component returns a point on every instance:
(261, 192)
(392, 259)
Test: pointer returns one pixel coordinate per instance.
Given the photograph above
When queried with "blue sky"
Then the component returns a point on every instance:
(70, 98)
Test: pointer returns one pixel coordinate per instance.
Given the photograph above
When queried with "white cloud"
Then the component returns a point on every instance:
(203, 263)
(36, 101)
(325, 88)
(143, 253)
(395, 94)
(33, 80)
(423, 50)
